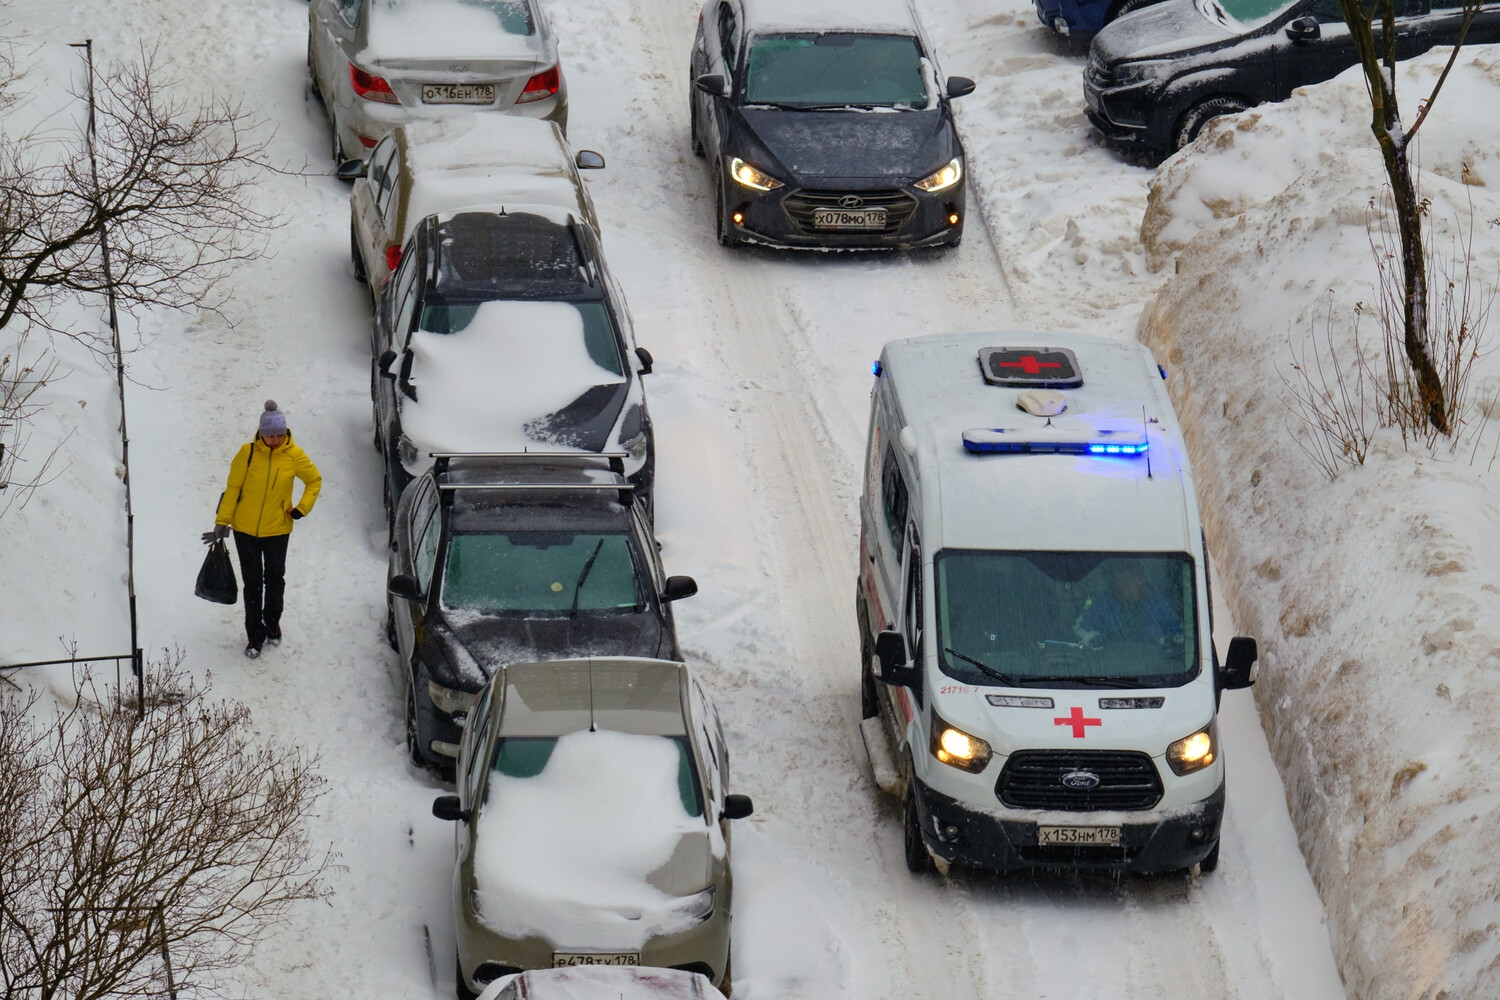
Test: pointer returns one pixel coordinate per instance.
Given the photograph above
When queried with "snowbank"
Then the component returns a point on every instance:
(1372, 595)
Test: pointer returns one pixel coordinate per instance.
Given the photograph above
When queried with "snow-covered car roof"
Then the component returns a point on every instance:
(610, 982)
(830, 15)
(1083, 502)
(492, 161)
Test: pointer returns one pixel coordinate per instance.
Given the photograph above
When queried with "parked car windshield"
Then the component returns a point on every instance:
(1067, 619)
(541, 572)
(527, 757)
(1251, 12)
(520, 323)
(835, 70)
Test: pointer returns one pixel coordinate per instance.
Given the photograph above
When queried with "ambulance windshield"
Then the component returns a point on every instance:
(1067, 619)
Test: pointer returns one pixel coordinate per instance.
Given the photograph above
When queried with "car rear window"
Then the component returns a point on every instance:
(527, 757)
(835, 70)
(541, 572)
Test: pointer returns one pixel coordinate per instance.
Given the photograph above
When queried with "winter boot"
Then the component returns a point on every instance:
(273, 634)
(252, 650)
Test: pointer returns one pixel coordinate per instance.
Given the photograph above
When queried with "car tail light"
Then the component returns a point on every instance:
(371, 87)
(545, 84)
(392, 256)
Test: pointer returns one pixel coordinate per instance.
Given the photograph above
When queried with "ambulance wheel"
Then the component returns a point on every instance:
(918, 861)
(1210, 861)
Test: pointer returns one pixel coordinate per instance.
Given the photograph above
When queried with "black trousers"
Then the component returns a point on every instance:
(263, 573)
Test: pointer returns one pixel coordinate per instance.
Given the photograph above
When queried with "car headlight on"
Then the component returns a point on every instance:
(752, 177)
(450, 700)
(944, 177)
(957, 748)
(1195, 752)
(1132, 73)
(700, 905)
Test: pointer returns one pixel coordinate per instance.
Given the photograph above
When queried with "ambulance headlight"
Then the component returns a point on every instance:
(957, 748)
(1195, 752)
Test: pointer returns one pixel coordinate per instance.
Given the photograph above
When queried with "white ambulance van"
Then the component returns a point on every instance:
(1040, 683)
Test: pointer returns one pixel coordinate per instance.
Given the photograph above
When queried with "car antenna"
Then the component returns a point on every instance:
(592, 727)
(1146, 437)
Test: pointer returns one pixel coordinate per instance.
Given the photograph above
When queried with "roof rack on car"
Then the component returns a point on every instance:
(615, 460)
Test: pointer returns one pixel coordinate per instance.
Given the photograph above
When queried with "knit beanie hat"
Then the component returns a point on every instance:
(273, 421)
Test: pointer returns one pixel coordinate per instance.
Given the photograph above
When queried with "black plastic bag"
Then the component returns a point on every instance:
(216, 581)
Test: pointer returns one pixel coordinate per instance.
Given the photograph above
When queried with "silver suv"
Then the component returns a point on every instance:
(592, 822)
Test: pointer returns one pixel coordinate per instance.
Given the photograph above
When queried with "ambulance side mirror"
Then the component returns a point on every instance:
(1239, 665)
(893, 663)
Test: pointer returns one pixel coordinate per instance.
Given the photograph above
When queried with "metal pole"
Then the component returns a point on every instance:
(166, 956)
(136, 661)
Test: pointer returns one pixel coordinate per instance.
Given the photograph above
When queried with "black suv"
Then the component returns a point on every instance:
(503, 559)
(1155, 77)
(505, 332)
(822, 133)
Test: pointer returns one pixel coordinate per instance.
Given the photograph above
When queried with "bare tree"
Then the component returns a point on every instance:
(1377, 53)
(23, 374)
(127, 842)
(176, 194)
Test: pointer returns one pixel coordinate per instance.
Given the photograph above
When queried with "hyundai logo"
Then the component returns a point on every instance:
(1080, 779)
(851, 201)
(459, 68)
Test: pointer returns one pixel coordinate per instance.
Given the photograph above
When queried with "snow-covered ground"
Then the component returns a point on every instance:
(1372, 595)
(759, 404)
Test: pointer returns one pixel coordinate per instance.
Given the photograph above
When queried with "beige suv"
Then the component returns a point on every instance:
(592, 822)
(489, 162)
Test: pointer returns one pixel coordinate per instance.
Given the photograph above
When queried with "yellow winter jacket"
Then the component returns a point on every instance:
(258, 497)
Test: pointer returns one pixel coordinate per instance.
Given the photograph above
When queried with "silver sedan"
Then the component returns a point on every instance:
(381, 63)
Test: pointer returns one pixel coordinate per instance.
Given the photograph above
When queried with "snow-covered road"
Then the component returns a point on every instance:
(759, 404)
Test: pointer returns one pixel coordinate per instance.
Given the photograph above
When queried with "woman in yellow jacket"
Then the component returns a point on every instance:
(257, 504)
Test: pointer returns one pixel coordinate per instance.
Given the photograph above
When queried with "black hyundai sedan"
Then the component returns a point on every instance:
(518, 558)
(826, 129)
(1157, 76)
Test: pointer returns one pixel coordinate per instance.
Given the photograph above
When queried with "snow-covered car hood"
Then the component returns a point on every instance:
(1159, 30)
(597, 850)
(889, 147)
(475, 644)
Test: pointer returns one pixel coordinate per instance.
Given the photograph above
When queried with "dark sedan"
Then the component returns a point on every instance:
(1156, 77)
(824, 135)
(517, 559)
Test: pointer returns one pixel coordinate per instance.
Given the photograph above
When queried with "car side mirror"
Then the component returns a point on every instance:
(644, 356)
(960, 86)
(405, 587)
(712, 84)
(735, 807)
(351, 170)
(679, 587)
(447, 807)
(384, 364)
(1240, 664)
(1303, 29)
(587, 159)
(894, 662)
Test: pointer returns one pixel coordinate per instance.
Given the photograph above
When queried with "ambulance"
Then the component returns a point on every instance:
(1040, 684)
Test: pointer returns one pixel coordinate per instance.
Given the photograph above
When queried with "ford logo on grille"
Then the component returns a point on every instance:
(851, 201)
(1080, 780)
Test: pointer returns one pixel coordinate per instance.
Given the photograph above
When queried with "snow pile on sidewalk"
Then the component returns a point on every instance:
(1375, 597)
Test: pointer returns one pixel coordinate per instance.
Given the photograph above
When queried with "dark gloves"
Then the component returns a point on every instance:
(296, 514)
(220, 532)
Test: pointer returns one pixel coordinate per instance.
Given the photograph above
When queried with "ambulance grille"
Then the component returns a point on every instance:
(1032, 779)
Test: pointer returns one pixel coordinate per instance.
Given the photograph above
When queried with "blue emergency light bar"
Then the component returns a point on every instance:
(1051, 440)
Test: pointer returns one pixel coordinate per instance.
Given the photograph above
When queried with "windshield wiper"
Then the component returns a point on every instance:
(1086, 681)
(1006, 679)
(578, 588)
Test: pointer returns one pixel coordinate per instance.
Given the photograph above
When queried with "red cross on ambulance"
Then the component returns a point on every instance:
(1078, 722)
